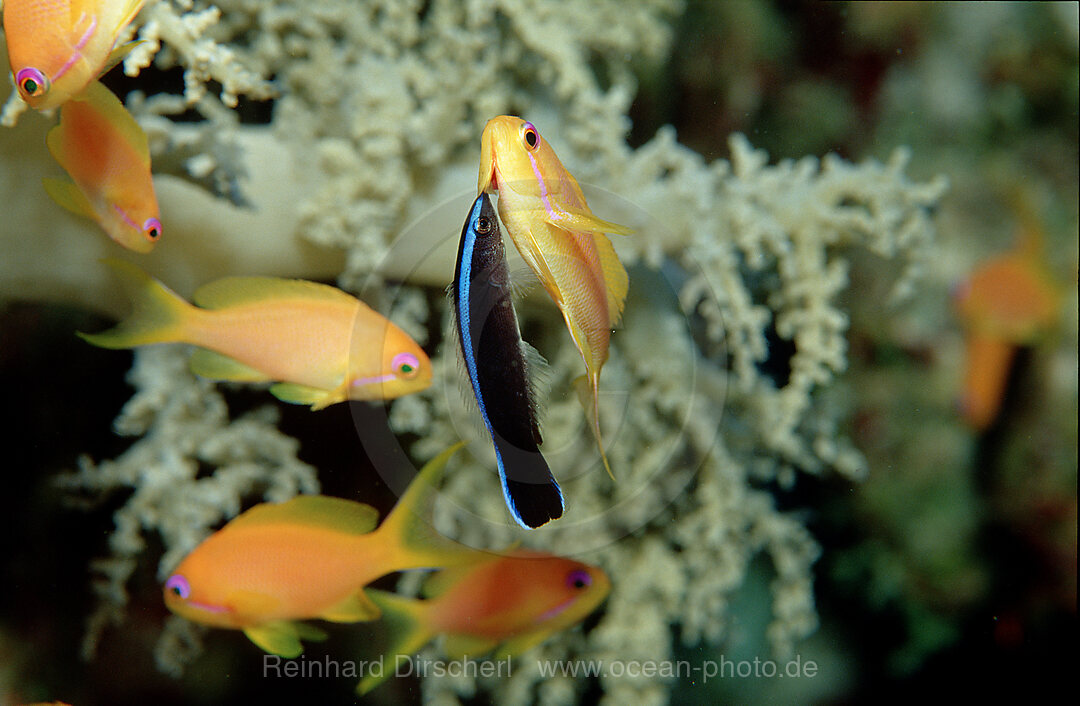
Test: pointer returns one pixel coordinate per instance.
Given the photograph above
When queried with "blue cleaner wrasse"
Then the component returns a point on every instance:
(491, 346)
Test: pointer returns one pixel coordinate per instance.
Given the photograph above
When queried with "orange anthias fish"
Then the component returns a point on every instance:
(322, 345)
(309, 557)
(105, 152)
(57, 47)
(1007, 302)
(508, 603)
(546, 215)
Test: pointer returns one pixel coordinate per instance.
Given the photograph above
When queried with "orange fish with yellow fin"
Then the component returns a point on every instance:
(319, 345)
(107, 156)
(310, 557)
(507, 604)
(57, 47)
(547, 217)
(1007, 302)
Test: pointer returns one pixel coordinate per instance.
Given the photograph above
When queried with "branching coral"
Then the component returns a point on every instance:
(728, 256)
(189, 471)
(679, 528)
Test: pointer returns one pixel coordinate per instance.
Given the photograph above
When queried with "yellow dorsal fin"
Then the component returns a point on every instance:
(105, 102)
(131, 8)
(117, 55)
(233, 291)
(323, 511)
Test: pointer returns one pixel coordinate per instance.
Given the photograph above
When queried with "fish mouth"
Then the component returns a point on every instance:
(487, 182)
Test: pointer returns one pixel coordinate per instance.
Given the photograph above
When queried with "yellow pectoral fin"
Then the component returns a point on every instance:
(574, 219)
(215, 366)
(282, 637)
(535, 258)
(68, 196)
(354, 609)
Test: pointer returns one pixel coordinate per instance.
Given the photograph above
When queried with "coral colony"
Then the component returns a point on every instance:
(365, 139)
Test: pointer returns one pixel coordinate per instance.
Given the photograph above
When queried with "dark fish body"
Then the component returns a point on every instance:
(491, 346)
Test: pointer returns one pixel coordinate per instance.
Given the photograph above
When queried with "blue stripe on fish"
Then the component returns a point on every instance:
(491, 346)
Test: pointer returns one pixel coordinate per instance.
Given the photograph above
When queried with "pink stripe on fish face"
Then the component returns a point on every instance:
(126, 217)
(543, 188)
(358, 382)
(544, 617)
(77, 54)
(210, 608)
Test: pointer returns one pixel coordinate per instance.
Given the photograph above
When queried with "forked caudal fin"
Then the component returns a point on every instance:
(406, 627)
(408, 526)
(157, 315)
(588, 396)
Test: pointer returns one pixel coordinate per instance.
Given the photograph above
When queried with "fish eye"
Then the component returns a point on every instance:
(578, 579)
(32, 82)
(179, 586)
(406, 365)
(483, 225)
(152, 229)
(530, 135)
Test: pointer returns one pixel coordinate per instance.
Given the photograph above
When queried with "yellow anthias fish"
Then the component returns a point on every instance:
(309, 557)
(105, 152)
(1007, 302)
(546, 215)
(323, 345)
(508, 604)
(57, 47)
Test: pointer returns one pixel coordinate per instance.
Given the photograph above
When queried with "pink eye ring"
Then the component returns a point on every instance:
(31, 82)
(178, 586)
(405, 365)
(152, 229)
(530, 136)
(578, 579)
